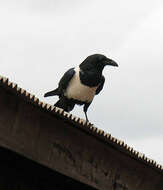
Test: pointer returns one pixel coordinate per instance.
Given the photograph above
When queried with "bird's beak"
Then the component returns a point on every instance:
(110, 62)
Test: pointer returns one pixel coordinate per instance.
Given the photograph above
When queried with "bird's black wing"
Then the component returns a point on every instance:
(63, 83)
(100, 87)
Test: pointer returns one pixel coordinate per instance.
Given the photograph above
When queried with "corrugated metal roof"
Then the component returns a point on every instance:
(79, 123)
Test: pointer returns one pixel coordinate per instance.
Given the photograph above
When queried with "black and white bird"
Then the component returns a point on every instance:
(79, 85)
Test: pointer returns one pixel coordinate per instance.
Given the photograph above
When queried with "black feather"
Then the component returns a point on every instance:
(100, 87)
(65, 104)
(52, 93)
(63, 83)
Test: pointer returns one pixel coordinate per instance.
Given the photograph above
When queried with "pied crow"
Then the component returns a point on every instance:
(79, 85)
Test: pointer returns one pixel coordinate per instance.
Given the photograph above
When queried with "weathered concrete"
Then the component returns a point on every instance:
(57, 144)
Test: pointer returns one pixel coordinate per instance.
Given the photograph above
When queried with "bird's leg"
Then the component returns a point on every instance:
(86, 116)
(85, 108)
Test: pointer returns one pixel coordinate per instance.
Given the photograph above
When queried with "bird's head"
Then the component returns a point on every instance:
(97, 61)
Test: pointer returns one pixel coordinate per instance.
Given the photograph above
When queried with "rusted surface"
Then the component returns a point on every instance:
(71, 146)
(20, 173)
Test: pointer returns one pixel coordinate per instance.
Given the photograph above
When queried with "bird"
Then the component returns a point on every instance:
(80, 84)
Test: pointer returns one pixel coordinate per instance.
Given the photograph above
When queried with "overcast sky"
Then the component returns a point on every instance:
(41, 39)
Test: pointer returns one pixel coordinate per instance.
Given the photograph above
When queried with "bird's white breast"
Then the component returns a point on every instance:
(78, 91)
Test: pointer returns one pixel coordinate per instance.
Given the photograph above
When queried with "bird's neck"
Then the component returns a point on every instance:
(91, 77)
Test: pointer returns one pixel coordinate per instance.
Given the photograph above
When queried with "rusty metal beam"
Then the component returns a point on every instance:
(55, 139)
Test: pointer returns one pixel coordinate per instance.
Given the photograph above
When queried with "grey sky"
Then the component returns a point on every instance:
(41, 39)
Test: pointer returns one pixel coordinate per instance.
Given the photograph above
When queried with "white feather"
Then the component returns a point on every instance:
(78, 91)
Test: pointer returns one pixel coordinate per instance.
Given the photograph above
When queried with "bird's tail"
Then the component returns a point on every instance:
(65, 104)
(52, 93)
